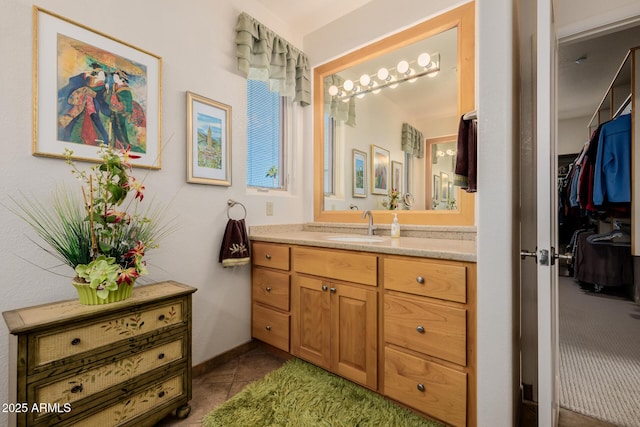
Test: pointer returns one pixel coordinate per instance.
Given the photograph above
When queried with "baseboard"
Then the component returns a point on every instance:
(221, 359)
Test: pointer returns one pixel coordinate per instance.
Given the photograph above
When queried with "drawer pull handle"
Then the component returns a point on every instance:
(268, 256)
(268, 289)
(75, 341)
(161, 394)
(420, 387)
(333, 290)
(420, 280)
(420, 329)
(268, 327)
(77, 389)
(161, 356)
(161, 317)
(324, 288)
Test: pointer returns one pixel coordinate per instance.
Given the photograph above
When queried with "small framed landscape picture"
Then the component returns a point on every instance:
(379, 170)
(359, 173)
(208, 141)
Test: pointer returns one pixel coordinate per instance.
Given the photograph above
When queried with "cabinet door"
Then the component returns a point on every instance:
(354, 333)
(311, 318)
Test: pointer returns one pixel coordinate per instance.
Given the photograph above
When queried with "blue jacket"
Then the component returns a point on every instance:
(612, 173)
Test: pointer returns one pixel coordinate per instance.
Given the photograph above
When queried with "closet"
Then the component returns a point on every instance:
(598, 207)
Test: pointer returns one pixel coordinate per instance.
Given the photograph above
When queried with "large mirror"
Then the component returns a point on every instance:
(385, 125)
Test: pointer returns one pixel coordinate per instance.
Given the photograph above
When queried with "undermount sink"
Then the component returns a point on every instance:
(356, 239)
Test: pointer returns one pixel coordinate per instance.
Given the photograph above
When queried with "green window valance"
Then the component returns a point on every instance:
(263, 55)
(335, 107)
(412, 141)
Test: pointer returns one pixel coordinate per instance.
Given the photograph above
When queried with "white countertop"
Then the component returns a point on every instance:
(452, 249)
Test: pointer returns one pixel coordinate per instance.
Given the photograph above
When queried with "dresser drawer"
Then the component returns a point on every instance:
(72, 341)
(426, 386)
(270, 288)
(270, 255)
(92, 381)
(149, 400)
(427, 278)
(341, 265)
(429, 328)
(271, 327)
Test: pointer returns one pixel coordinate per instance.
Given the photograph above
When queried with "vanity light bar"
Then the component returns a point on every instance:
(349, 89)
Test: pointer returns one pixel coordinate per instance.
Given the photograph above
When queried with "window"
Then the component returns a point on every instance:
(266, 113)
(329, 158)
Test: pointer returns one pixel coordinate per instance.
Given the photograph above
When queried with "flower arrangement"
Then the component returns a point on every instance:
(392, 200)
(100, 236)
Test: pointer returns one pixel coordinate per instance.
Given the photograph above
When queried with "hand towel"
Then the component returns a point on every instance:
(235, 244)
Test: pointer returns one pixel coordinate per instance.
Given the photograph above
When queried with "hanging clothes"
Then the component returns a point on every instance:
(612, 173)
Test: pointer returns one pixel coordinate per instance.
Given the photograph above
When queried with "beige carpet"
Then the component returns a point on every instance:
(599, 354)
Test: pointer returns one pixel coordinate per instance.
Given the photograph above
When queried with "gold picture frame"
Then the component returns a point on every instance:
(91, 89)
(208, 141)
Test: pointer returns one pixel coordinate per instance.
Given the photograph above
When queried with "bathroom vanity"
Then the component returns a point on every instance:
(397, 316)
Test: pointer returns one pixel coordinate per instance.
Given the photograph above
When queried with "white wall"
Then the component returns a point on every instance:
(572, 135)
(196, 43)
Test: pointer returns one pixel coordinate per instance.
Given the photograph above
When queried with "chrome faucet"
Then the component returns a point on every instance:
(371, 229)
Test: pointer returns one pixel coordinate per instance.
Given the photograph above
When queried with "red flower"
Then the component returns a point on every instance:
(127, 276)
(137, 251)
(127, 156)
(136, 185)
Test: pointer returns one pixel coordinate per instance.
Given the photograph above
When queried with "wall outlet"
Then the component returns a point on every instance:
(269, 208)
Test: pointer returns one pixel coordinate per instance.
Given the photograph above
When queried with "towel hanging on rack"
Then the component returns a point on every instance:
(235, 241)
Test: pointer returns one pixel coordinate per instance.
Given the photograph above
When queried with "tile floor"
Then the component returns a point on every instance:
(223, 382)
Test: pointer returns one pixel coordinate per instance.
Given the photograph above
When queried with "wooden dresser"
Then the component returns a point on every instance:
(121, 364)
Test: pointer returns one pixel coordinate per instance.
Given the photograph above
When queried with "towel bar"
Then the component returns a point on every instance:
(231, 203)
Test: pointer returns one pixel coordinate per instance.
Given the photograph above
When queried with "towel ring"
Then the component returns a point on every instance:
(232, 203)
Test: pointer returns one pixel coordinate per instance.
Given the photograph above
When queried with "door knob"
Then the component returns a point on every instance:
(525, 253)
(554, 256)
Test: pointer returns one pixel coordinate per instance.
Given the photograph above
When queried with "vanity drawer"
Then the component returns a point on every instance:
(356, 267)
(428, 328)
(426, 386)
(89, 382)
(151, 399)
(427, 278)
(55, 346)
(270, 288)
(270, 255)
(271, 327)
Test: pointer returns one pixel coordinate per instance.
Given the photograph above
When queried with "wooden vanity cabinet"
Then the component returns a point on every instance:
(429, 324)
(334, 323)
(270, 289)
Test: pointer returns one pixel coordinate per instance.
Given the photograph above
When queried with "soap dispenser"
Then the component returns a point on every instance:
(395, 226)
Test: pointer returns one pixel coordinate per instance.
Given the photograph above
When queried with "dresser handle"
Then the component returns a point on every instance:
(75, 341)
(420, 279)
(161, 356)
(268, 289)
(161, 317)
(333, 290)
(324, 288)
(77, 389)
(421, 387)
(161, 394)
(268, 256)
(268, 327)
(420, 329)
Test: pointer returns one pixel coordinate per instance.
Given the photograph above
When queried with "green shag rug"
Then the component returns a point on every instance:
(300, 394)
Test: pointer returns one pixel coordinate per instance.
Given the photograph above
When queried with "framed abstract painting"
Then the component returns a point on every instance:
(359, 173)
(91, 89)
(380, 170)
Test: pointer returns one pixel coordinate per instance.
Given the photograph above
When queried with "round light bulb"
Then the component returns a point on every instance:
(365, 80)
(395, 84)
(424, 60)
(375, 85)
(360, 95)
(403, 67)
(333, 90)
(347, 85)
(346, 100)
(432, 75)
(383, 74)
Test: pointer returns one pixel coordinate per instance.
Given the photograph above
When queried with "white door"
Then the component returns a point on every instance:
(546, 213)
